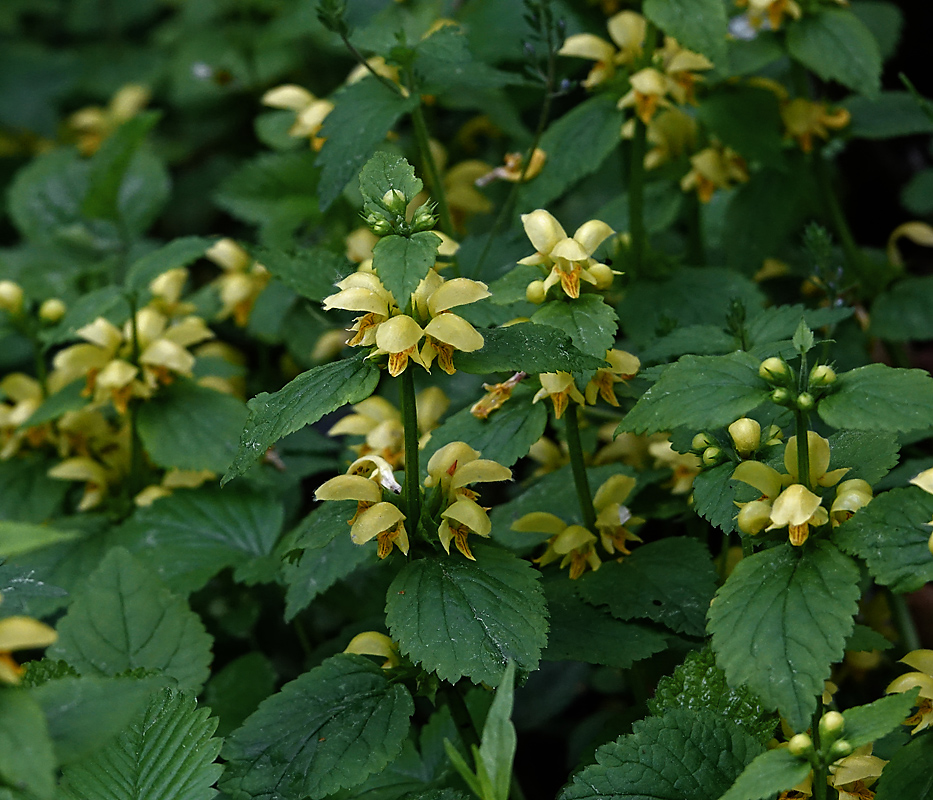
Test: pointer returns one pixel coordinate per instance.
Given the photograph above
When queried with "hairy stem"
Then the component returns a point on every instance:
(802, 426)
(584, 496)
(819, 770)
(412, 472)
(432, 172)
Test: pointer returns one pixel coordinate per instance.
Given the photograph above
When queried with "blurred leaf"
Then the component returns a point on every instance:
(881, 398)
(27, 760)
(774, 771)
(886, 115)
(528, 347)
(700, 25)
(590, 322)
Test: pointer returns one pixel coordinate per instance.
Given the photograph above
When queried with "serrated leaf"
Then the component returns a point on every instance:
(699, 25)
(714, 496)
(19, 538)
(803, 338)
(868, 723)
(781, 621)
(124, 619)
(402, 262)
(177, 253)
(774, 771)
(684, 755)
(326, 730)
(902, 312)
(699, 392)
(698, 683)
(167, 753)
(190, 536)
(865, 639)
(527, 347)
(581, 632)
(869, 455)
(27, 761)
(576, 145)
(301, 402)
(18, 587)
(505, 436)
(444, 64)
(701, 340)
(327, 554)
(884, 19)
(364, 113)
(881, 398)
(311, 272)
(237, 690)
(670, 581)
(886, 116)
(589, 322)
(467, 618)
(387, 171)
(727, 113)
(908, 773)
(191, 427)
(83, 713)
(836, 45)
(891, 535)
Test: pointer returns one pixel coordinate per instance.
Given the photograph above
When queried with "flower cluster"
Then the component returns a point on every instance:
(561, 387)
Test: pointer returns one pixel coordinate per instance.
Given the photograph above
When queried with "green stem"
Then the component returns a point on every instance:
(819, 770)
(462, 718)
(696, 250)
(136, 478)
(636, 197)
(361, 59)
(431, 170)
(584, 496)
(802, 426)
(904, 621)
(412, 471)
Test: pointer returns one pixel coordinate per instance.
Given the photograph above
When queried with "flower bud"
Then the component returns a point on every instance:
(754, 517)
(700, 442)
(746, 436)
(535, 292)
(775, 371)
(712, 456)
(52, 310)
(832, 723)
(423, 219)
(11, 297)
(782, 396)
(603, 276)
(395, 202)
(822, 375)
(773, 436)
(805, 401)
(801, 745)
(379, 226)
(840, 749)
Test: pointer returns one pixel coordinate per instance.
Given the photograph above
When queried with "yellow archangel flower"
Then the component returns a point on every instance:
(310, 111)
(804, 119)
(496, 396)
(674, 75)
(713, 168)
(20, 633)
(773, 11)
(25, 396)
(567, 259)
(684, 466)
(373, 643)
(93, 124)
(627, 31)
(853, 775)
(513, 169)
(242, 281)
(921, 660)
(613, 519)
(561, 388)
(622, 367)
(671, 134)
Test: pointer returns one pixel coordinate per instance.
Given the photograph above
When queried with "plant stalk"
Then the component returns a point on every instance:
(431, 170)
(584, 496)
(412, 470)
(636, 197)
(802, 426)
(819, 770)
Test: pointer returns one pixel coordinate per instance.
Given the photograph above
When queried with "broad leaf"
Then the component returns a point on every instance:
(124, 619)
(868, 723)
(301, 402)
(167, 753)
(527, 347)
(879, 398)
(177, 253)
(328, 729)
(902, 312)
(588, 321)
(684, 755)
(108, 302)
(699, 25)
(458, 617)
(714, 496)
(387, 171)
(892, 534)
(699, 683)
(908, 773)
(864, 639)
(444, 64)
(781, 621)
(311, 272)
(236, 691)
(699, 392)
(18, 587)
(497, 748)
(69, 398)
(774, 771)
(670, 581)
(19, 538)
(885, 116)
(402, 262)
(726, 113)
(836, 45)
(27, 760)
(869, 455)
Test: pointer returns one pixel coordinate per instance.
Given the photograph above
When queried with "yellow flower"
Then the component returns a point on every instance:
(684, 466)
(680, 66)
(921, 660)
(26, 395)
(363, 291)
(372, 643)
(20, 633)
(93, 124)
(459, 520)
(513, 170)
(496, 396)
(561, 388)
(648, 93)
(852, 776)
(612, 517)
(772, 10)
(622, 367)
(568, 259)
(850, 497)
(713, 168)
(310, 110)
(671, 134)
(242, 281)
(627, 31)
(803, 119)
(573, 545)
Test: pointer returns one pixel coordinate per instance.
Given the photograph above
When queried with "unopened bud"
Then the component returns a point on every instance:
(840, 749)
(822, 375)
(379, 226)
(603, 276)
(423, 219)
(832, 724)
(774, 435)
(746, 435)
(782, 396)
(395, 202)
(806, 401)
(775, 371)
(800, 745)
(11, 297)
(700, 442)
(52, 310)
(712, 456)
(535, 292)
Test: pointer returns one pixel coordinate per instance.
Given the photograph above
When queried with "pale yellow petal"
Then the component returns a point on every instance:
(543, 230)
(471, 514)
(456, 292)
(455, 331)
(920, 659)
(589, 46)
(794, 506)
(398, 334)
(592, 234)
(374, 521)
(764, 478)
(539, 522)
(615, 490)
(166, 354)
(24, 633)
(349, 487)
(481, 470)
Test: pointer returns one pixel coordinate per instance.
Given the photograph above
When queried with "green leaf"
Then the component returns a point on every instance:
(109, 165)
(108, 302)
(18, 587)
(327, 554)
(699, 25)
(177, 253)
(885, 20)
(27, 761)
(582, 632)
(803, 338)
(301, 402)
(714, 496)
(781, 621)
(18, 538)
(83, 713)
(69, 398)
(144, 193)
(836, 45)
(886, 116)
(869, 455)
(684, 755)
(864, 639)
(698, 683)
(124, 619)
(576, 145)
(727, 112)
(311, 272)
(167, 753)
(458, 617)
(699, 392)
(505, 436)
(364, 113)
(908, 773)
(237, 690)
(497, 748)
(387, 171)
(444, 65)
(917, 198)
(191, 427)
(402, 262)
(191, 535)
(670, 581)
(881, 398)
(701, 340)
(891, 535)
(774, 771)
(902, 312)
(527, 347)
(868, 723)
(589, 322)
(328, 729)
